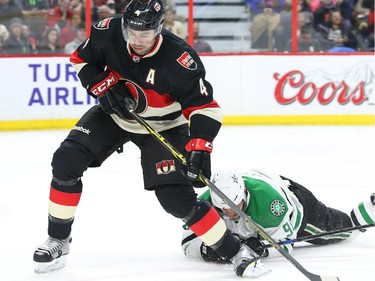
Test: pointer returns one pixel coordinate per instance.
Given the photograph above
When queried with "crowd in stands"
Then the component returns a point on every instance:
(58, 26)
(322, 25)
(49, 26)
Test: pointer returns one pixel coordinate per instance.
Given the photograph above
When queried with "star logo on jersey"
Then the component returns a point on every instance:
(277, 208)
(235, 179)
(137, 13)
(187, 61)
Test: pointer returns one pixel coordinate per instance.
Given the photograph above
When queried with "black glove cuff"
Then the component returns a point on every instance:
(257, 246)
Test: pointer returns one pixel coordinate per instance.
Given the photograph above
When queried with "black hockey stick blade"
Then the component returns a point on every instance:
(251, 223)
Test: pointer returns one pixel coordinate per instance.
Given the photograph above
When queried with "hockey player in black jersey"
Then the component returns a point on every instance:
(131, 56)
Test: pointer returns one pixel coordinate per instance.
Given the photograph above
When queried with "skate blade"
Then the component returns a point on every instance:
(45, 267)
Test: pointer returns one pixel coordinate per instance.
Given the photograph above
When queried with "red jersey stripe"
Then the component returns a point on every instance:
(64, 198)
(205, 223)
(187, 111)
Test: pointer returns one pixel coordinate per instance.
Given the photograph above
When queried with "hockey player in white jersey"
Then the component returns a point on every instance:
(283, 208)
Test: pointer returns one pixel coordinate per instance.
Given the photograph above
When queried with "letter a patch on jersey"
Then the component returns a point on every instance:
(187, 61)
(103, 24)
(165, 167)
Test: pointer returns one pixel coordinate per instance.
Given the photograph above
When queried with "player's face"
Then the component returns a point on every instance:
(232, 214)
(141, 41)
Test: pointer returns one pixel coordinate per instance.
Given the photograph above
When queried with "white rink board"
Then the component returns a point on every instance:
(248, 85)
(47, 88)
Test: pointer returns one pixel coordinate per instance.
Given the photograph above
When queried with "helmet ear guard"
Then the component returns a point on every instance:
(230, 182)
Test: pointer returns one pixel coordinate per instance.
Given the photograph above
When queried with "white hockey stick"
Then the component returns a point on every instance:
(250, 222)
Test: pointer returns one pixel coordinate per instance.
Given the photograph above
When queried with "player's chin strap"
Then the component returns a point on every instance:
(130, 107)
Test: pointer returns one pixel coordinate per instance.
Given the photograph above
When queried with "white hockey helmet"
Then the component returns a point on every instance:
(231, 184)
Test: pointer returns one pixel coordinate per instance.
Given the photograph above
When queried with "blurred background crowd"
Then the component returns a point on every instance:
(58, 26)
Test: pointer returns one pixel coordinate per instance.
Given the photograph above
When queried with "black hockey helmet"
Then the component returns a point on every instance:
(144, 15)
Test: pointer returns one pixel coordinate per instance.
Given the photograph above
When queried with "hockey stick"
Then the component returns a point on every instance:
(324, 234)
(252, 224)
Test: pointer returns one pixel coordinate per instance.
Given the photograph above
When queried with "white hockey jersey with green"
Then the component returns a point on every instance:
(270, 204)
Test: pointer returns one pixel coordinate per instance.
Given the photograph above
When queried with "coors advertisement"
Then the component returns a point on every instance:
(353, 85)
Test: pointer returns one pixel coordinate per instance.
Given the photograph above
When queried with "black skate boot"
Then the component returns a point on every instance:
(51, 255)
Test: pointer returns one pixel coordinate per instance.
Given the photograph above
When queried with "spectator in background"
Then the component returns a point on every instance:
(80, 36)
(304, 6)
(120, 6)
(104, 11)
(94, 12)
(4, 35)
(35, 12)
(263, 27)
(364, 9)
(76, 5)
(15, 43)
(171, 24)
(346, 8)
(28, 39)
(314, 5)
(169, 3)
(283, 31)
(307, 41)
(59, 16)
(321, 14)
(200, 45)
(68, 33)
(35, 7)
(258, 6)
(50, 43)
(8, 11)
(336, 34)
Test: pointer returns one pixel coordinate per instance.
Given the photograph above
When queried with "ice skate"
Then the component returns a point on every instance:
(364, 212)
(247, 263)
(51, 255)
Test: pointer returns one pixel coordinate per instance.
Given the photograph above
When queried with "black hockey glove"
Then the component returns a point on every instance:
(110, 93)
(209, 255)
(198, 160)
(257, 246)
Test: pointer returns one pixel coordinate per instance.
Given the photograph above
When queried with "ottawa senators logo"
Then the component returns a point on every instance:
(165, 167)
(103, 24)
(187, 61)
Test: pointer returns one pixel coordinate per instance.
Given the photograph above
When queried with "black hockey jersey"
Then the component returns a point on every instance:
(168, 83)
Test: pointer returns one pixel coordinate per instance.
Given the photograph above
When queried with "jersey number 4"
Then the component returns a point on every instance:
(203, 88)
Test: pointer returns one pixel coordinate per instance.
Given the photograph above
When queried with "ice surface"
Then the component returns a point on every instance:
(122, 233)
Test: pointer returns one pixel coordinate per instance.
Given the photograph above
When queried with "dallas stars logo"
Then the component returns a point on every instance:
(137, 13)
(277, 207)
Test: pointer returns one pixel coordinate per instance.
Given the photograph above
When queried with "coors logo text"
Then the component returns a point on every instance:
(292, 87)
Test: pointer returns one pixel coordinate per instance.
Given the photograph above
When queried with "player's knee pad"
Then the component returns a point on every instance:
(177, 200)
(70, 160)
